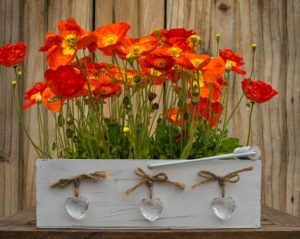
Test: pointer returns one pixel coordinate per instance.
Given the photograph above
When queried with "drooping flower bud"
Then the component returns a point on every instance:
(151, 96)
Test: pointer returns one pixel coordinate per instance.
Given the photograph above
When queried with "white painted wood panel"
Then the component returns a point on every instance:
(111, 208)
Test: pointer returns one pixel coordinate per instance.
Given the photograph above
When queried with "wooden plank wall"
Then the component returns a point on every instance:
(272, 24)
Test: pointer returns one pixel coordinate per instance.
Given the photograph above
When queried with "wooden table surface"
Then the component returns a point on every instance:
(274, 224)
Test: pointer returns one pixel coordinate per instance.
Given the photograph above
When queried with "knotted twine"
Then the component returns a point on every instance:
(63, 182)
(232, 177)
(149, 180)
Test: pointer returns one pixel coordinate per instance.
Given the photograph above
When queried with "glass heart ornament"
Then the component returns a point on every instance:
(77, 207)
(223, 207)
(151, 208)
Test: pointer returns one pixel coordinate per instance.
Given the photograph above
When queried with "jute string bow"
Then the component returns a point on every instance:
(149, 180)
(232, 177)
(63, 182)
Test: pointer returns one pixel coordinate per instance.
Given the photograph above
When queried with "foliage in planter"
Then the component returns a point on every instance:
(105, 110)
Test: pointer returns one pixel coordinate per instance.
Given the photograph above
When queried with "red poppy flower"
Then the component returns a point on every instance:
(109, 36)
(65, 82)
(32, 93)
(208, 111)
(11, 55)
(233, 59)
(160, 63)
(137, 47)
(258, 91)
(61, 49)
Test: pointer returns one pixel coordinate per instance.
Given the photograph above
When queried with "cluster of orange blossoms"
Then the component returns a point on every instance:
(161, 55)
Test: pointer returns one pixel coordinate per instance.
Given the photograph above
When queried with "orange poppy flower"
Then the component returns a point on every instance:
(258, 91)
(137, 47)
(233, 59)
(194, 62)
(11, 55)
(32, 93)
(109, 36)
(65, 82)
(54, 106)
(61, 49)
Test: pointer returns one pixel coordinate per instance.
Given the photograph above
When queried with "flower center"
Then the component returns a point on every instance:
(160, 63)
(135, 50)
(69, 44)
(196, 62)
(109, 40)
(175, 51)
(232, 63)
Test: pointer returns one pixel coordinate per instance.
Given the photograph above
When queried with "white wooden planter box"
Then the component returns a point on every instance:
(110, 207)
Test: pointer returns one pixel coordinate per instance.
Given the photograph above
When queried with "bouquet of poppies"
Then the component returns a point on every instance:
(160, 98)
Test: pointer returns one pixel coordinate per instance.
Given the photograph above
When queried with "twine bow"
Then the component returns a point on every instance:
(232, 177)
(149, 180)
(63, 182)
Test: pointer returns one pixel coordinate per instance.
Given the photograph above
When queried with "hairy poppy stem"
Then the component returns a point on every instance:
(250, 119)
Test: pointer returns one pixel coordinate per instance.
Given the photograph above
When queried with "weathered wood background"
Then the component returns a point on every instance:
(272, 24)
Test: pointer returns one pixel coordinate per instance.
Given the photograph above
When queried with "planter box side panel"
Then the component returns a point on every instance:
(109, 207)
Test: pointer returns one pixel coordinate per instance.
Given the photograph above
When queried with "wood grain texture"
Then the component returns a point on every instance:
(272, 24)
(10, 154)
(275, 225)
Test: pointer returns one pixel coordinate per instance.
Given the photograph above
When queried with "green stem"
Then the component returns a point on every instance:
(250, 119)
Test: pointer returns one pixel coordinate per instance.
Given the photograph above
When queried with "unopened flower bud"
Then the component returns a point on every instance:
(38, 99)
(19, 70)
(155, 106)
(228, 67)
(13, 84)
(218, 36)
(136, 79)
(130, 59)
(248, 105)
(254, 47)
(151, 96)
(125, 129)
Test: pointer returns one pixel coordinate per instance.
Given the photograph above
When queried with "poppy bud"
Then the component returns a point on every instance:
(136, 79)
(228, 67)
(125, 129)
(60, 121)
(38, 99)
(13, 84)
(69, 133)
(70, 119)
(195, 97)
(155, 106)
(218, 36)
(126, 100)
(151, 96)
(19, 70)
(253, 47)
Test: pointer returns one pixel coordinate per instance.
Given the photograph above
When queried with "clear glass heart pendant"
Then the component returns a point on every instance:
(151, 208)
(77, 207)
(223, 207)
